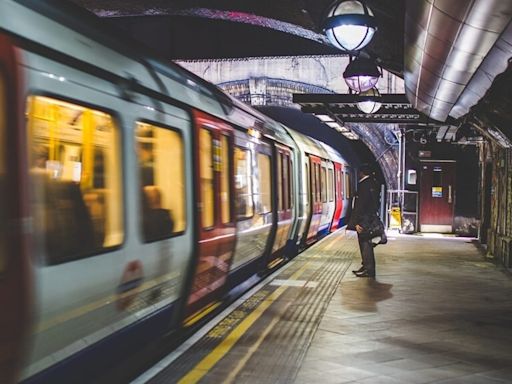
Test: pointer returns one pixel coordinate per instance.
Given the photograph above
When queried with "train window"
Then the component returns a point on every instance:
(336, 185)
(162, 181)
(348, 186)
(206, 176)
(265, 201)
(290, 183)
(330, 185)
(314, 183)
(286, 182)
(225, 201)
(323, 185)
(76, 179)
(3, 169)
(243, 184)
(308, 180)
(339, 183)
(318, 183)
(280, 185)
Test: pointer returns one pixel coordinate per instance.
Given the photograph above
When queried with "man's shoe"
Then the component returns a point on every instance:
(359, 270)
(365, 274)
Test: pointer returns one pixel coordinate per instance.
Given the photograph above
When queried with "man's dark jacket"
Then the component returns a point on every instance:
(365, 204)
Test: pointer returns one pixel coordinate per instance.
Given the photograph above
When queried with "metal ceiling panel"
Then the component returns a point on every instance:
(456, 9)
(446, 44)
(438, 108)
(489, 15)
(449, 91)
(476, 40)
(435, 48)
(463, 61)
(441, 25)
(494, 63)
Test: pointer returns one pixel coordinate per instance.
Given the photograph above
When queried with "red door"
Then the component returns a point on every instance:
(216, 227)
(15, 265)
(337, 196)
(437, 196)
(315, 164)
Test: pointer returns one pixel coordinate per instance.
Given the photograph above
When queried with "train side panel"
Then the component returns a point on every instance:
(96, 273)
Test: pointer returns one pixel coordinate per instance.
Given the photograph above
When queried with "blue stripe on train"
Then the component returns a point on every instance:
(323, 231)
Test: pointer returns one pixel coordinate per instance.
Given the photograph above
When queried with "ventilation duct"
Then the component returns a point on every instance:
(453, 51)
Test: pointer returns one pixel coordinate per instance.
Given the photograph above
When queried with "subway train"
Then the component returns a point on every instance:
(137, 199)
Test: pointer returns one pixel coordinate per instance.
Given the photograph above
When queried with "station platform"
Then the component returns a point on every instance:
(436, 313)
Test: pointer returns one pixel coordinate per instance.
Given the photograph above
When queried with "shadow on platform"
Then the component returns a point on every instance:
(364, 294)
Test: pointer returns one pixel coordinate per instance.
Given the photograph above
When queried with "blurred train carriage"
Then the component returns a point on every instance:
(152, 196)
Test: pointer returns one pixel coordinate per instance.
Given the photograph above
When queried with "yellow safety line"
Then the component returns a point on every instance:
(207, 363)
(274, 262)
(194, 318)
(254, 347)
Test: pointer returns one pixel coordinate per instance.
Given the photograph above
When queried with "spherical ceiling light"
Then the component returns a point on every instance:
(361, 74)
(369, 101)
(350, 25)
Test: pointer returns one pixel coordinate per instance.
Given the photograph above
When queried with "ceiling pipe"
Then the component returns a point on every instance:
(450, 44)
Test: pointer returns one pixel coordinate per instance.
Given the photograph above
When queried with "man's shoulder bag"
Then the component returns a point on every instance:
(374, 228)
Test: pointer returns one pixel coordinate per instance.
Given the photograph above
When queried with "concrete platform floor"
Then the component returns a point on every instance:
(438, 312)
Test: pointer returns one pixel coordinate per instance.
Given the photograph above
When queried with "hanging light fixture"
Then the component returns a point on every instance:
(369, 101)
(361, 74)
(350, 25)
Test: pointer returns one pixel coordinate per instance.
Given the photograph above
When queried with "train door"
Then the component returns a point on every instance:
(327, 197)
(338, 198)
(315, 198)
(347, 191)
(284, 201)
(14, 263)
(437, 196)
(254, 207)
(216, 227)
(304, 200)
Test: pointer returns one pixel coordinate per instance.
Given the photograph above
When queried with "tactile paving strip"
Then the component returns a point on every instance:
(265, 339)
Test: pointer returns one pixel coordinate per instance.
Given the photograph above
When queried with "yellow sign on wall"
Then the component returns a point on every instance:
(437, 191)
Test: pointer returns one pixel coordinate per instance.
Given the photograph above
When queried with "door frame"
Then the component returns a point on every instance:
(439, 228)
(16, 279)
(223, 233)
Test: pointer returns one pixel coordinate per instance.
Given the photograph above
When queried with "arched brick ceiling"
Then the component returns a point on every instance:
(280, 27)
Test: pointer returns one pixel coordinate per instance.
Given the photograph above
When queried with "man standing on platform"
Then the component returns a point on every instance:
(365, 207)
